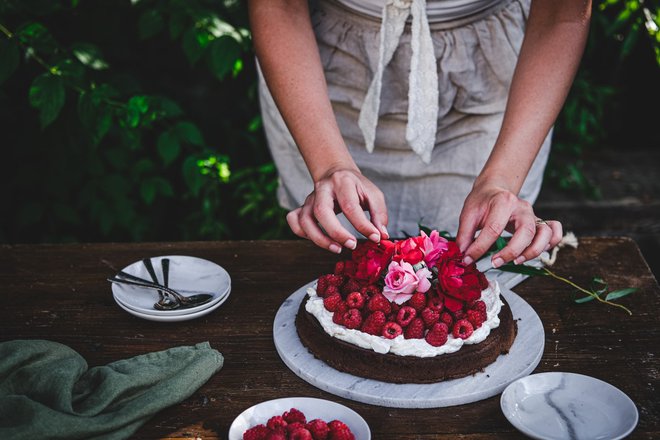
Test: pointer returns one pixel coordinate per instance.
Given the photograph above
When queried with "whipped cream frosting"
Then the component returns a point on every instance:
(399, 345)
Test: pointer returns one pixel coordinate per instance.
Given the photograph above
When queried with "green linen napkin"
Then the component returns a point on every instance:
(48, 392)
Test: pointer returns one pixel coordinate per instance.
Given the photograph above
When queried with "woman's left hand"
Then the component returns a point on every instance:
(493, 210)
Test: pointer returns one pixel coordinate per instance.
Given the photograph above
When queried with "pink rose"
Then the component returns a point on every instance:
(433, 247)
(402, 281)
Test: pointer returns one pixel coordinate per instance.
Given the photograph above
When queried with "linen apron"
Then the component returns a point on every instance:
(475, 58)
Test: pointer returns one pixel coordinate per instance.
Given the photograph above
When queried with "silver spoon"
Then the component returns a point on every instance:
(164, 301)
(184, 301)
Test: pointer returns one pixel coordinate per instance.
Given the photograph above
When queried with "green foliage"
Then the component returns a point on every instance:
(104, 144)
(595, 114)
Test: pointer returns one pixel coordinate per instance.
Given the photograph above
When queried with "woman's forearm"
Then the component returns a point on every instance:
(549, 58)
(289, 59)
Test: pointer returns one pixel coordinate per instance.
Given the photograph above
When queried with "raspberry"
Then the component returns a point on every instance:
(294, 415)
(293, 426)
(274, 435)
(350, 286)
(355, 300)
(438, 334)
(415, 329)
(301, 434)
(475, 318)
(369, 291)
(332, 302)
(378, 303)
(436, 303)
(277, 423)
(258, 432)
(338, 316)
(459, 314)
(462, 329)
(331, 290)
(352, 319)
(335, 280)
(340, 267)
(430, 317)
(374, 323)
(417, 301)
(447, 319)
(391, 330)
(318, 428)
(336, 425)
(405, 316)
(340, 432)
(480, 307)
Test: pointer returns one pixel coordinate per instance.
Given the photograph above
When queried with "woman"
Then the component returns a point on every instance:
(440, 111)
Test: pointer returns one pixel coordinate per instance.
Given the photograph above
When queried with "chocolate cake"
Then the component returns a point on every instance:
(407, 311)
(361, 362)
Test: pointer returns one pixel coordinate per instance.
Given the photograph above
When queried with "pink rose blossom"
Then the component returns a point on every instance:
(433, 247)
(402, 281)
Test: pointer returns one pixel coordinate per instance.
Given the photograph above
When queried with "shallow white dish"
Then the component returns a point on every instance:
(174, 318)
(187, 274)
(561, 406)
(312, 408)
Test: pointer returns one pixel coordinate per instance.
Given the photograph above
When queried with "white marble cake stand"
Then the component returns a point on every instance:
(524, 356)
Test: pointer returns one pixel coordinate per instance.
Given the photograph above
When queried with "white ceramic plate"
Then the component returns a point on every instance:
(174, 318)
(561, 406)
(312, 408)
(187, 274)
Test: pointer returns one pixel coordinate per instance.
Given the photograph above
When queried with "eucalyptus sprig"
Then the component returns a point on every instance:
(597, 290)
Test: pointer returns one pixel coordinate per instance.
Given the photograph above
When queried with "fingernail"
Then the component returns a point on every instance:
(519, 260)
(547, 247)
(497, 262)
(350, 243)
(375, 237)
(383, 231)
(335, 248)
(467, 260)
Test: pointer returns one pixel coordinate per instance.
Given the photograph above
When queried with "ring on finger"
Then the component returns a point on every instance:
(540, 221)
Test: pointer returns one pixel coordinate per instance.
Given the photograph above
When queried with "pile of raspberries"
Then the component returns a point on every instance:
(293, 425)
(423, 316)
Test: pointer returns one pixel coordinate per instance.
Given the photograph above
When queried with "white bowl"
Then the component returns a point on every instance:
(312, 408)
(557, 406)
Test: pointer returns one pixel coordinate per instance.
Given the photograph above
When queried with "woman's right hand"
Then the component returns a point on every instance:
(346, 191)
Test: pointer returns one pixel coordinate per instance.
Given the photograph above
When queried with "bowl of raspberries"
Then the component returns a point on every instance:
(299, 418)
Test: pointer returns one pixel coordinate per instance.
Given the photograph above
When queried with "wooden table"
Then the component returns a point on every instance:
(59, 292)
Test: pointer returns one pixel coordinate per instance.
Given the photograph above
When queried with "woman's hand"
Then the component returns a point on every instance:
(346, 191)
(492, 210)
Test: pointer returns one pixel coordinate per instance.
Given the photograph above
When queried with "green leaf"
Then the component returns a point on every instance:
(168, 147)
(47, 95)
(192, 176)
(165, 107)
(37, 36)
(9, 59)
(150, 23)
(191, 46)
(585, 299)
(95, 116)
(187, 131)
(616, 294)
(223, 53)
(148, 190)
(89, 55)
(522, 269)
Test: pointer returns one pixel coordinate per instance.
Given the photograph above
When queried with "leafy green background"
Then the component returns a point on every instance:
(139, 120)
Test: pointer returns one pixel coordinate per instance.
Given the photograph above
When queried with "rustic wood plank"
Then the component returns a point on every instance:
(59, 292)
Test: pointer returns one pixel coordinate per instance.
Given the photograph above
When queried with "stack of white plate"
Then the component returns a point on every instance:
(187, 275)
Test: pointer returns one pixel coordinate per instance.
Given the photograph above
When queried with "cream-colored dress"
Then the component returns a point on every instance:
(424, 169)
